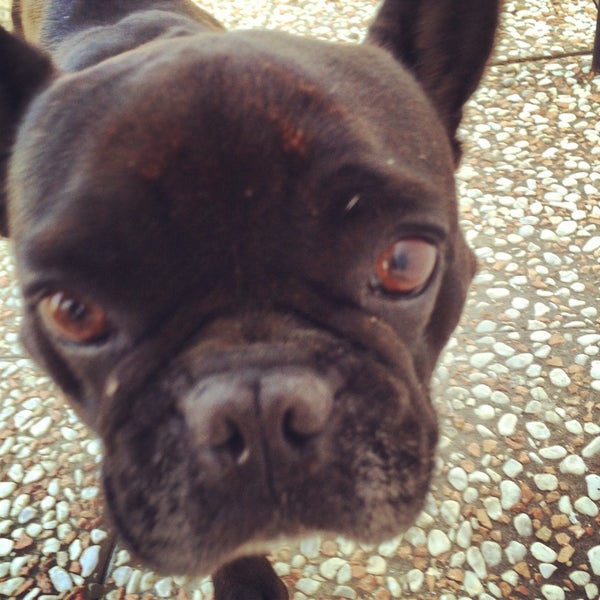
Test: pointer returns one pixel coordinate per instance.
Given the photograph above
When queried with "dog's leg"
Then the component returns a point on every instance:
(249, 578)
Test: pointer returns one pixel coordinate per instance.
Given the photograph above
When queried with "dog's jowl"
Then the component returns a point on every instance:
(240, 258)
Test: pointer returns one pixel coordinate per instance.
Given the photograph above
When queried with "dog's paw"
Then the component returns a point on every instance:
(249, 578)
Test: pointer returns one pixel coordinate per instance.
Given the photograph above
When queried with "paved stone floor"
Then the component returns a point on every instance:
(514, 510)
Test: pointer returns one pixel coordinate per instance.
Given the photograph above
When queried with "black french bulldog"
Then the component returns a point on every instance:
(240, 259)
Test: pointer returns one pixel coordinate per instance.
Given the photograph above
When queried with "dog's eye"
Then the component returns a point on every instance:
(72, 319)
(406, 266)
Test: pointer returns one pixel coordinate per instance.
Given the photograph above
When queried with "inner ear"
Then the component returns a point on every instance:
(444, 43)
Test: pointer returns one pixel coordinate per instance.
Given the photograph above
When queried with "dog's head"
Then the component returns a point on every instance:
(240, 259)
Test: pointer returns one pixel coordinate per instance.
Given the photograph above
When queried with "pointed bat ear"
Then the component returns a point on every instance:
(23, 71)
(444, 43)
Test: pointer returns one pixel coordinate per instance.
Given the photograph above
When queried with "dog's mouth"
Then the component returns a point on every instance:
(240, 458)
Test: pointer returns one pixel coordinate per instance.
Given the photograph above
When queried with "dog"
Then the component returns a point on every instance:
(240, 258)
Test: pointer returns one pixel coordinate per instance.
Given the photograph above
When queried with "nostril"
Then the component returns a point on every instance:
(293, 432)
(296, 403)
(234, 444)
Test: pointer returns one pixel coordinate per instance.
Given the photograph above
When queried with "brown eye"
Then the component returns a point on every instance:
(72, 319)
(406, 266)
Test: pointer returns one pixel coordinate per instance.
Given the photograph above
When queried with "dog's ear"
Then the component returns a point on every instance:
(445, 43)
(23, 70)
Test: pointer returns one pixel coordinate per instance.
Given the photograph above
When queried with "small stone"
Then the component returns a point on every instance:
(586, 506)
(493, 507)
(477, 562)
(547, 570)
(543, 553)
(458, 479)
(559, 378)
(310, 546)
(580, 577)
(464, 534)
(415, 579)
(164, 587)
(592, 244)
(553, 452)
(41, 428)
(60, 579)
(472, 585)
(7, 488)
(450, 511)
(6, 546)
(344, 591)
(545, 482)
(523, 525)
(121, 575)
(552, 592)
(573, 465)
(538, 430)
(308, 586)
(36, 473)
(438, 542)
(492, 553)
(515, 552)
(376, 565)
(329, 568)
(510, 494)
(89, 560)
(592, 448)
(507, 424)
(593, 486)
(389, 548)
(10, 586)
(512, 467)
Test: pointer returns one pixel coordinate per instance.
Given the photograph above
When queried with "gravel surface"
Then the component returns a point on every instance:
(514, 510)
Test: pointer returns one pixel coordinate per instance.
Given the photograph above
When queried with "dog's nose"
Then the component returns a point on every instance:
(237, 417)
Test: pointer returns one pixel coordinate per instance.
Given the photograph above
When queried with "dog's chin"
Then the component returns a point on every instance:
(192, 558)
(179, 541)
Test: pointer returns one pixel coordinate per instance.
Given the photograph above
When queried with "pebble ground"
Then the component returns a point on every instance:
(514, 510)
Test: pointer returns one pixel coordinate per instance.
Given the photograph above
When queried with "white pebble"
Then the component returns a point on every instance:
(543, 553)
(89, 560)
(545, 482)
(41, 427)
(510, 494)
(523, 524)
(308, 586)
(512, 467)
(164, 587)
(507, 424)
(538, 430)
(594, 558)
(7, 488)
(492, 553)
(493, 508)
(438, 542)
(6, 546)
(586, 506)
(472, 585)
(60, 579)
(592, 448)
(415, 579)
(36, 473)
(592, 244)
(457, 477)
(464, 534)
(485, 412)
(553, 452)
(515, 552)
(593, 486)
(552, 592)
(559, 377)
(573, 465)
(329, 568)
(477, 562)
